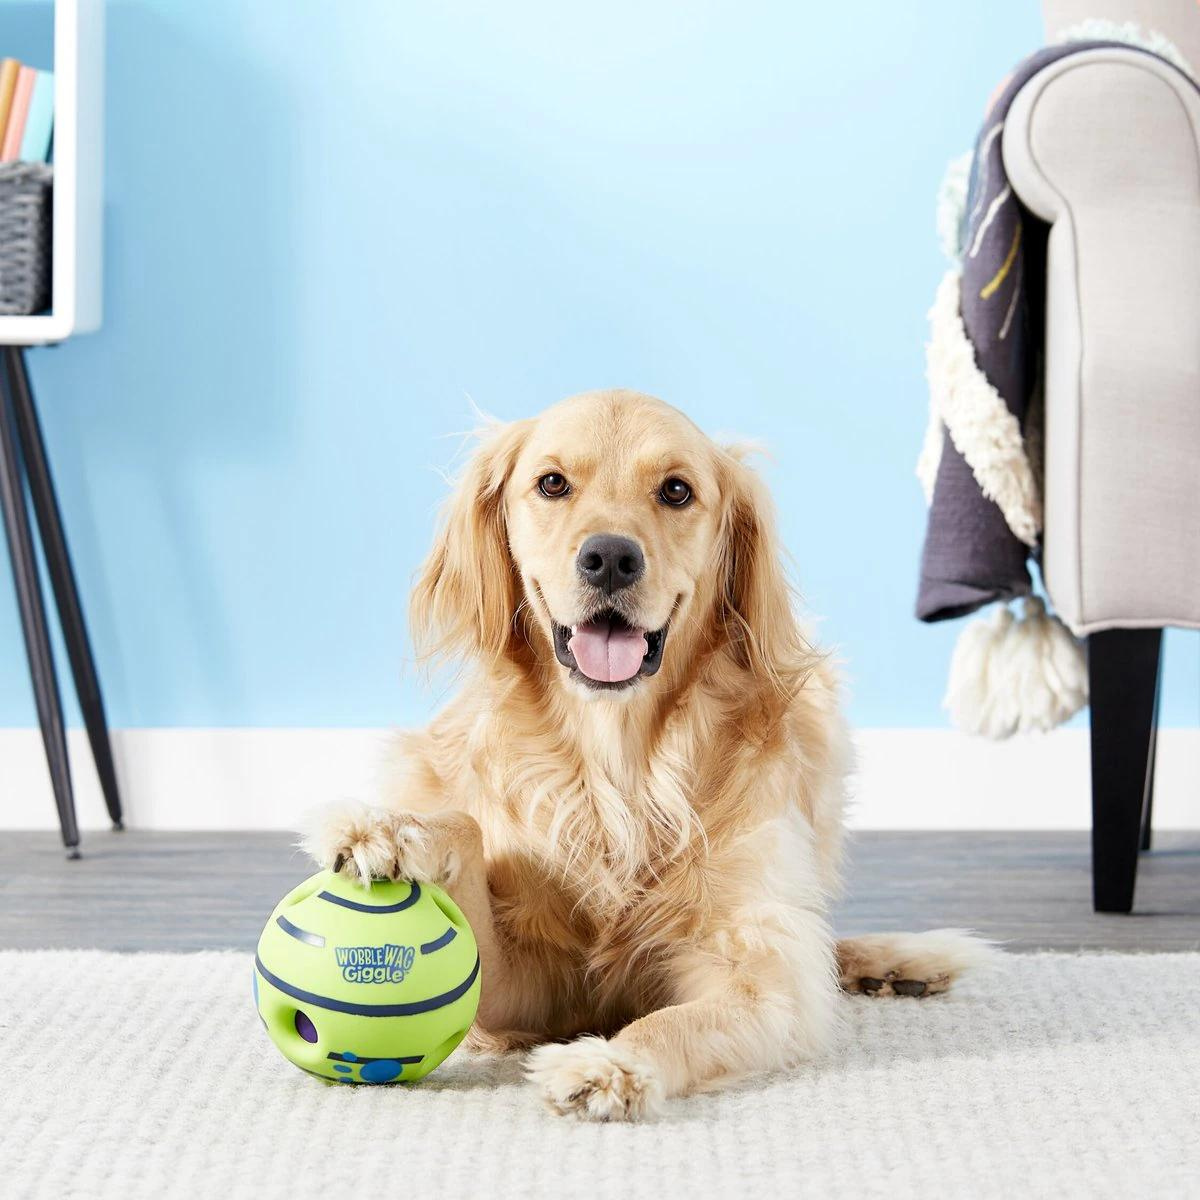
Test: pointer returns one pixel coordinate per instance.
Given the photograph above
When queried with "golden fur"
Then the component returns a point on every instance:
(647, 871)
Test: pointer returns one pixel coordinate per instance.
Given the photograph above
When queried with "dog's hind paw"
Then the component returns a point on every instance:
(910, 964)
(891, 985)
(595, 1080)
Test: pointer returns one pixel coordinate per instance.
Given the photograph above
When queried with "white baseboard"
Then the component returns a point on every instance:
(266, 778)
(939, 779)
(193, 778)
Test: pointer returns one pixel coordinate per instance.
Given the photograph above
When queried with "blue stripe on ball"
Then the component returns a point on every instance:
(301, 935)
(408, 901)
(410, 1009)
(438, 943)
(356, 1058)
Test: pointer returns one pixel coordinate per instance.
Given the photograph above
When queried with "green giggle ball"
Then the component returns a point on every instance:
(366, 985)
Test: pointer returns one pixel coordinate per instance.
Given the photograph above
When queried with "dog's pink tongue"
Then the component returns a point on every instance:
(607, 655)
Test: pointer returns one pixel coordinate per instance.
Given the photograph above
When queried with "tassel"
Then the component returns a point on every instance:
(970, 694)
(1016, 675)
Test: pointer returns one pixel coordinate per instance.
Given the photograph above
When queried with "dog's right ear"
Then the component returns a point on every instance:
(467, 591)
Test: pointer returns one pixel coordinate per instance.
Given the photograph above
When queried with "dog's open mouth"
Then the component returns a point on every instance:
(607, 651)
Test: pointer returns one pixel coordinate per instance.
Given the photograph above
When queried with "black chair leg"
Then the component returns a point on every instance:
(62, 577)
(1148, 802)
(1123, 679)
(33, 622)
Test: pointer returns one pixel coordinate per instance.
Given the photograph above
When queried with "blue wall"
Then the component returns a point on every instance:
(328, 226)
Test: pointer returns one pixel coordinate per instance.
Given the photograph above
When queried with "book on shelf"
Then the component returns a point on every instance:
(26, 112)
(8, 83)
(14, 131)
(35, 145)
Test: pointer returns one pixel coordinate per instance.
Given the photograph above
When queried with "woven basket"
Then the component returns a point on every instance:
(25, 226)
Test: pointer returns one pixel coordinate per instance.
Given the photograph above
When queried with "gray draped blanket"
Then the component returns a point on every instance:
(972, 556)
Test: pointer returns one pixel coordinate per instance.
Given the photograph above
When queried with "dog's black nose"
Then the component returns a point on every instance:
(610, 562)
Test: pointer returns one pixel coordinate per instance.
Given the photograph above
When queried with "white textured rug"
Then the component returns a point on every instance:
(149, 1075)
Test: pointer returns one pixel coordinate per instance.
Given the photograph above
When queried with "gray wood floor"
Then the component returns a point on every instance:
(191, 891)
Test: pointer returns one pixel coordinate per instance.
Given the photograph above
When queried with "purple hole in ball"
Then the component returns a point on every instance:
(304, 1026)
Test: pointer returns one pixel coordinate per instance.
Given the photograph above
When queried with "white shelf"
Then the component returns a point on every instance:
(78, 179)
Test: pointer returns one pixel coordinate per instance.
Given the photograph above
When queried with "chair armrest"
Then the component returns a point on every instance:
(1105, 145)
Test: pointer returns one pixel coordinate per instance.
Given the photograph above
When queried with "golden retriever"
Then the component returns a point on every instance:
(637, 796)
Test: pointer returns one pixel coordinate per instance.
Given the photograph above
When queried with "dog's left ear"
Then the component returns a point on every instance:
(756, 605)
(466, 594)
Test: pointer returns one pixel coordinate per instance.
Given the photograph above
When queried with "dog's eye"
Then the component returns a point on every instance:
(553, 486)
(675, 492)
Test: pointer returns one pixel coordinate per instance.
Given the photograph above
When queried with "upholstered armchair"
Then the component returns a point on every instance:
(1105, 147)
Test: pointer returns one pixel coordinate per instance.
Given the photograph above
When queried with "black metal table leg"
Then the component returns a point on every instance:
(62, 577)
(33, 621)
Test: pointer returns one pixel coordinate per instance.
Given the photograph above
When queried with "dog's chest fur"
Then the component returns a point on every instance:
(606, 805)
(607, 822)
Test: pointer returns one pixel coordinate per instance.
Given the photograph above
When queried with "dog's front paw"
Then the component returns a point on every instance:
(366, 843)
(595, 1080)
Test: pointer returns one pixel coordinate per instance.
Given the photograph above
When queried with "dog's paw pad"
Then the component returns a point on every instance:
(595, 1080)
(892, 985)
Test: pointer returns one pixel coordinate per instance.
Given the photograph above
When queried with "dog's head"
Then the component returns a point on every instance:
(611, 537)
